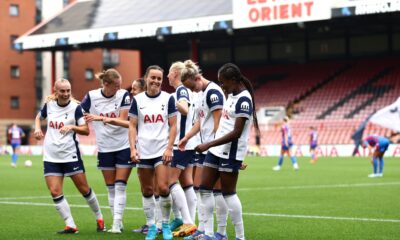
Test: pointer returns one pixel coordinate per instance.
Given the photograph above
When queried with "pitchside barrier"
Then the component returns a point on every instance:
(339, 150)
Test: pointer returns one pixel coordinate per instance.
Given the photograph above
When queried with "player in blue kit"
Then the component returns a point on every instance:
(107, 109)
(380, 145)
(286, 146)
(61, 154)
(228, 150)
(152, 132)
(15, 135)
(313, 144)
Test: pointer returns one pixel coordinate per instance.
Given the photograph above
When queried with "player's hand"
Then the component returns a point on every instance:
(135, 156)
(167, 156)
(38, 134)
(90, 117)
(243, 166)
(182, 144)
(66, 129)
(202, 147)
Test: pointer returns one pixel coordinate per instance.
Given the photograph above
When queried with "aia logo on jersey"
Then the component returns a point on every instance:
(214, 98)
(245, 106)
(111, 115)
(153, 118)
(201, 114)
(225, 114)
(56, 125)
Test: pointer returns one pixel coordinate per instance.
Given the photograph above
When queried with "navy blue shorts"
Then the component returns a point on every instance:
(63, 169)
(198, 159)
(150, 163)
(313, 146)
(383, 146)
(15, 145)
(222, 164)
(113, 160)
(182, 159)
(286, 147)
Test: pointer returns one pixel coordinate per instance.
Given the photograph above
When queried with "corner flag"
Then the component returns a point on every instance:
(388, 117)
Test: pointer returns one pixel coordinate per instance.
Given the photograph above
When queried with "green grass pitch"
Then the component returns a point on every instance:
(333, 199)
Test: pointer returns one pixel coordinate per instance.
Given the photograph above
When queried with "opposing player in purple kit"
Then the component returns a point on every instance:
(286, 146)
(15, 135)
(181, 169)
(313, 144)
(228, 150)
(380, 145)
(209, 114)
(61, 154)
(152, 132)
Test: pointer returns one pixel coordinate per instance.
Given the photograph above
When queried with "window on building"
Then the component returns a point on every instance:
(14, 10)
(12, 39)
(89, 75)
(14, 102)
(14, 70)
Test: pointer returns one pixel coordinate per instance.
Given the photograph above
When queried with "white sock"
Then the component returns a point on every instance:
(93, 203)
(221, 210)
(158, 212)
(119, 202)
(175, 209)
(200, 226)
(111, 196)
(207, 211)
(149, 205)
(191, 200)
(64, 210)
(179, 199)
(235, 210)
(165, 205)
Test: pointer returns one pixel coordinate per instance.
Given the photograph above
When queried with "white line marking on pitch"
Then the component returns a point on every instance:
(351, 185)
(247, 214)
(239, 189)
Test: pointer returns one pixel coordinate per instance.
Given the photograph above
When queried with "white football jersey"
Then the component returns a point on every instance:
(152, 113)
(109, 138)
(196, 102)
(212, 99)
(239, 105)
(59, 148)
(184, 123)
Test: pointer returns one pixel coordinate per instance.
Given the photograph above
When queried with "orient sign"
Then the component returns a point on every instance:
(253, 13)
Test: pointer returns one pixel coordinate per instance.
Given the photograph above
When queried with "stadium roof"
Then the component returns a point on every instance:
(95, 21)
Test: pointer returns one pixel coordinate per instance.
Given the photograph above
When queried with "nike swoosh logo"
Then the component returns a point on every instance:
(224, 164)
(393, 110)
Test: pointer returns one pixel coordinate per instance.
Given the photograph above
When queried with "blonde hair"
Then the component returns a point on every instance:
(179, 66)
(190, 71)
(108, 76)
(53, 97)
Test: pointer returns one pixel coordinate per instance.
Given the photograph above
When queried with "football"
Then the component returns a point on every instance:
(28, 163)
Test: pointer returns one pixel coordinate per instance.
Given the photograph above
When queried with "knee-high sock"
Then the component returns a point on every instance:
(165, 205)
(381, 164)
(200, 226)
(280, 160)
(93, 203)
(14, 158)
(207, 210)
(375, 165)
(191, 200)
(119, 201)
(64, 210)
(111, 196)
(294, 160)
(175, 208)
(221, 210)
(149, 205)
(235, 210)
(158, 213)
(179, 199)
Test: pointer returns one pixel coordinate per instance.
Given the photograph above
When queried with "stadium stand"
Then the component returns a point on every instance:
(335, 97)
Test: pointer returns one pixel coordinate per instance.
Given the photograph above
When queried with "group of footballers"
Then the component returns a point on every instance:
(197, 136)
